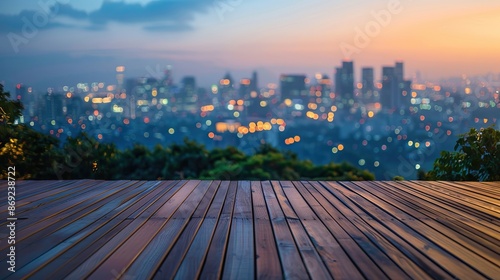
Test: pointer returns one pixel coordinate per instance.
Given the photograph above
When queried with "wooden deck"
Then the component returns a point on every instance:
(243, 230)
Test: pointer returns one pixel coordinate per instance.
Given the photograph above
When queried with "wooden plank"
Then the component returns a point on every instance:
(120, 259)
(66, 225)
(291, 261)
(334, 193)
(173, 259)
(31, 206)
(472, 205)
(488, 194)
(312, 260)
(53, 204)
(283, 201)
(139, 220)
(337, 261)
(193, 229)
(239, 260)
(369, 259)
(468, 227)
(76, 249)
(170, 206)
(25, 189)
(451, 208)
(298, 206)
(417, 236)
(204, 206)
(473, 195)
(191, 265)
(213, 265)
(243, 203)
(267, 261)
(55, 208)
(151, 258)
(449, 233)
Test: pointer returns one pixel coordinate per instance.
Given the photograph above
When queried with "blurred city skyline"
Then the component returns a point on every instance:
(85, 41)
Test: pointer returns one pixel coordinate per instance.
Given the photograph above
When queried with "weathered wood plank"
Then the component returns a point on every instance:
(351, 240)
(312, 260)
(98, 234)
(139, 219)
(147, 234)
(486, 193)
(151, 258)
(291, 261)
(472, 196)
(192, 263)
(268, 264)
(172, 261)
(416, 234)
(465, 226)
(263, 230)
(67, 225)
(463, 203)
(449, 233)
(451, 208)
(212, 268)
(337, 261)
(240, 261)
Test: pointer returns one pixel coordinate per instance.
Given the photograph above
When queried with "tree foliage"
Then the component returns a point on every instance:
(29, 151)
(476, 157)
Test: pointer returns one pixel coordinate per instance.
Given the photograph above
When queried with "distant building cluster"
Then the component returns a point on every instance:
(341, 118)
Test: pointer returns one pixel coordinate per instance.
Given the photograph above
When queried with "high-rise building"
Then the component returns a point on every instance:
(245, 88)
(323, 85)
(293, 87)
(344, 78)
(188, 96)
(388, 97)
(402, 84)
(51, 106)
(367, 80)
(119, 78)
(168, 79)
(254, 82)
(394, 87)
(226, 89)
(398, 71)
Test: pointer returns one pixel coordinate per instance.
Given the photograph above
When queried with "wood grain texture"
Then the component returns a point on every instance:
(194, 229)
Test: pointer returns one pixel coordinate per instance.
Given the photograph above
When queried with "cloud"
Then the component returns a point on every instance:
(168, 28)
(31, 18)
(159, 15)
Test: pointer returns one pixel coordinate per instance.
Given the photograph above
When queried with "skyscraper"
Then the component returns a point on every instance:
(168, 79)
(398, 71)
(119, 78)
(394, 87)
(344, 78)
(188, 96)
(245, 88)
(254, 82)
(293, 87)
(367, 81)
(388, 97)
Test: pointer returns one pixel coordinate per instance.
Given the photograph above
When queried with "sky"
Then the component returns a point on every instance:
(57, 42)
